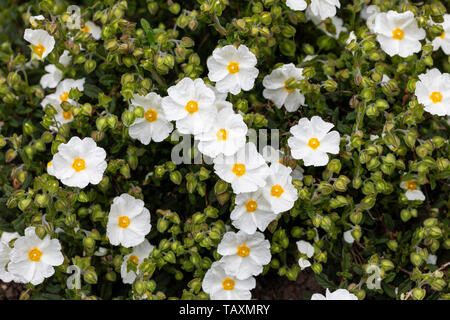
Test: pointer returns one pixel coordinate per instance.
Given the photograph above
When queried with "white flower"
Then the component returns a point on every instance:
(42, 43)
(339, 294)
(93, 29)
(348, 236)
(226, 136)
(369, 13)
(339, 27)
(305, 248)
(443, 41)
(411, 190)
(246, 170)
(128, 221)
(244, 255)
(297, 5)
(52, 77)
(50, 169)
(232, 69)
(279, 190)
(79, 162)
(154, 125)
(222, 286)
(139, 253)
(192, 105)
(65, 58)
(64, 87)
(5, 252)
(432, 259)
(324, 8)
(311, 141)
(398, 33)
(433, 91)
(61, 116)
(351, 37)
(276, 90)
(276, 156)
(33, 259)
(33, 20)
(252, 211)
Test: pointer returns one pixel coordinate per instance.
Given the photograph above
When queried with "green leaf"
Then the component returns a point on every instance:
(323, 281)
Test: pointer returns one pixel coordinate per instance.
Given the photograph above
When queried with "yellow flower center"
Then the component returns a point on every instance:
(285, 88)
(151, 115)
(222, 135)
(442, 36)
(85, 28)
(78, 165)
(67, 115)
(276, 191)
(251, 206)
(64, 96)
(35, 255)
(243, 251)
(436, 97)
(49, 164)
(192, 107)
(39, 50)
(313, 143)
(238, 169)
(134, 258)
(228, 284)
(124, 222)
(398, 34)
(411, 185)
(233, 67)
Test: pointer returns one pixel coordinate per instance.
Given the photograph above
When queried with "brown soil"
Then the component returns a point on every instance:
(274, 287)
(10, 291)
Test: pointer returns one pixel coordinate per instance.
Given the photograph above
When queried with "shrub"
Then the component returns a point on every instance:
(103, 209)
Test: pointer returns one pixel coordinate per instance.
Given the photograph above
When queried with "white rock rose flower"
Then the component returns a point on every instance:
(33, 259)
(244, 255)
(398, 33)
(226, 136)
(34, 20)
(369, 13)
(312, 141)
(192, 105)
(348, 236)
(412, 192)
(279, 190)
(154, 126)
(42, 43)
(222, 286)
(79, 162)
(324, 8)
(339, 294)
(138, 255)
(65, 58)
(5, 253)
(433, 91)
(128, 221)
(297, 5)
(443, 41)
(246, 170)
(252, 211)
(307, 250)
(52, 77)
(276, 90)
(232, 69)
(91, 28)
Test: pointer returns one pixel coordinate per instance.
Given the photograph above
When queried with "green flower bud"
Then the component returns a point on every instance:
(356, 217)
(416, 259)
(316, 268)
(90, 276)
(418, 293)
